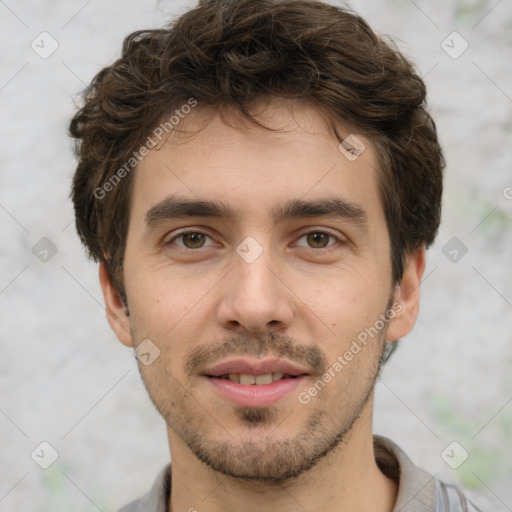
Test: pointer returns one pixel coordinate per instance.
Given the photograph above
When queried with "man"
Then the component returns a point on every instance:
(259, 182)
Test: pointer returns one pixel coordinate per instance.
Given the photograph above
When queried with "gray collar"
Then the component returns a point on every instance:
(416, 487)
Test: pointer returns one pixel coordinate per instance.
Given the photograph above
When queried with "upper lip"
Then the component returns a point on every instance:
(255, 367)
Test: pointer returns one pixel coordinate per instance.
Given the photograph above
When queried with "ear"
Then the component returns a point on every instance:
(407, 296)
(116, 311)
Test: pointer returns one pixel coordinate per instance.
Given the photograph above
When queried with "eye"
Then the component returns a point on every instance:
(191, 240)
(319, 239)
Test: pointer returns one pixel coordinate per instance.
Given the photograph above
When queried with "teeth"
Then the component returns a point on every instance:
(264, 379)
(249, 380)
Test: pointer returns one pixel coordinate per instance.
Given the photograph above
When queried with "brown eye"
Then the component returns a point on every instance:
(190, 240)
(194, 239)
(318, 239)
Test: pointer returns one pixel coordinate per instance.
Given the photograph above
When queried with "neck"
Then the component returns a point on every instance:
(338, 482)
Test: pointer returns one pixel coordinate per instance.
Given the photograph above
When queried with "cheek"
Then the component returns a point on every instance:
(349, 304)
(350, 295)
(159, 290)
(171, 309)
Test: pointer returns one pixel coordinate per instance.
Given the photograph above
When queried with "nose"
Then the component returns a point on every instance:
(255, 298)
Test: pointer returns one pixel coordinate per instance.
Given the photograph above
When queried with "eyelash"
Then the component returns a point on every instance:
(316, 231)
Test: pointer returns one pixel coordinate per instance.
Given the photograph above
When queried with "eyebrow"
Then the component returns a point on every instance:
(177, 207)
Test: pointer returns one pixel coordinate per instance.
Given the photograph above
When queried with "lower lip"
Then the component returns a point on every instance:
(256, 395)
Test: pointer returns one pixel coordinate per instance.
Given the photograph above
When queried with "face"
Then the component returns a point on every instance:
(255, 298)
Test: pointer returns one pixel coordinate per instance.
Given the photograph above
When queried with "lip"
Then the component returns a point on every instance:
(255, 395)
(255, 367)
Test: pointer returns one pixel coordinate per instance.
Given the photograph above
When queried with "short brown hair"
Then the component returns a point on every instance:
(232, 53)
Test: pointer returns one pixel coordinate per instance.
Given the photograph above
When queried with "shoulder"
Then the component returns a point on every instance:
(450, 498)
(418, 490)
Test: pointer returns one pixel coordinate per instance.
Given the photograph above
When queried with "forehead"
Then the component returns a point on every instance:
(256, 171)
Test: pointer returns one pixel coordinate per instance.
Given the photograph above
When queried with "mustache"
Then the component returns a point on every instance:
(260, 346)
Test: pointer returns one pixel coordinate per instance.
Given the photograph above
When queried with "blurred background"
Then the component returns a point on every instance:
(65, 381)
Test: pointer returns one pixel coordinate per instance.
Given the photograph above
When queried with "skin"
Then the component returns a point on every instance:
(317, 293)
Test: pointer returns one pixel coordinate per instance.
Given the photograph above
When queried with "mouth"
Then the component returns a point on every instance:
(247, 379)
(254, 383)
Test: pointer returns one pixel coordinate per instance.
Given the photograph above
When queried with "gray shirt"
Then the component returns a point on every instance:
(418, 491)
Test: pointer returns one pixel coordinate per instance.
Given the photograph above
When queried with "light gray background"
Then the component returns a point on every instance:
(65, 379)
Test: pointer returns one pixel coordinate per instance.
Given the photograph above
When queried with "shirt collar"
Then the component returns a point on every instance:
(416, 487)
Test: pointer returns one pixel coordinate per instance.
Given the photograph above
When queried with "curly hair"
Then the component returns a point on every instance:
(233, 53)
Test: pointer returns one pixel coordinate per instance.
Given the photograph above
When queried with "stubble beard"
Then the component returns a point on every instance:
(264, 457)
(270, 460)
